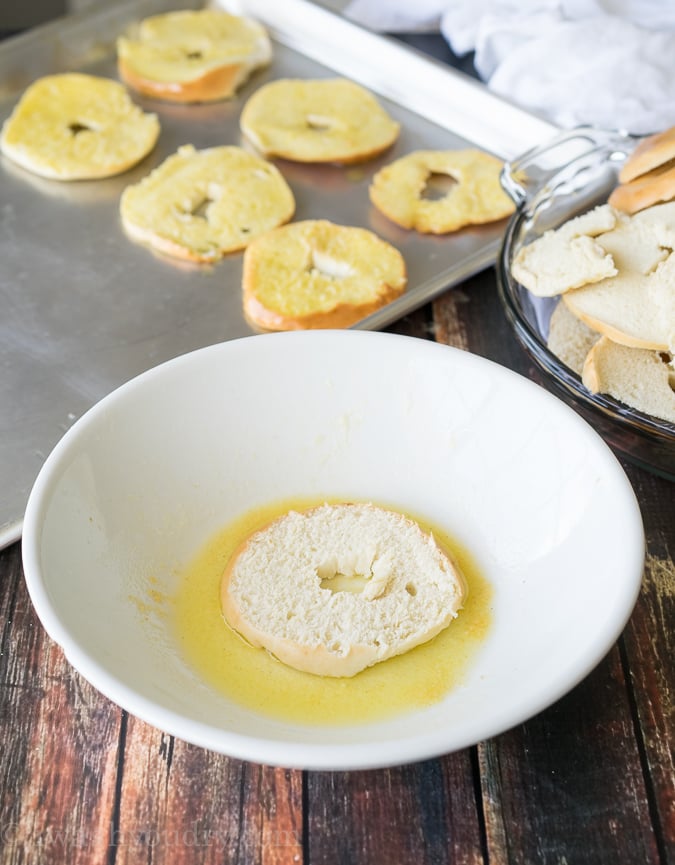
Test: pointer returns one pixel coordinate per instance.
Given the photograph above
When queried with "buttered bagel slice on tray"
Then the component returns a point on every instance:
(316, 274)
(199, 205)
(338, 588)
(475, 195)
(192, 56)
(317, 120)
(77, 127)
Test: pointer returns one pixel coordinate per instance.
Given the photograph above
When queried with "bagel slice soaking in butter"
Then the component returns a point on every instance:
(340, 587)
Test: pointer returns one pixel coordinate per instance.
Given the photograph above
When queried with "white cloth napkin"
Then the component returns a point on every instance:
(607, 63)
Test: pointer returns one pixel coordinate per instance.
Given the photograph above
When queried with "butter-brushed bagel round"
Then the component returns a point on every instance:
(192, 56)
(397, 190)
(201, 204)
(339, 588)
(316, 274)
(317, 120)
(74, 126)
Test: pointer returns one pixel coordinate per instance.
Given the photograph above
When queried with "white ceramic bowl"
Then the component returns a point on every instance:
(141, 482)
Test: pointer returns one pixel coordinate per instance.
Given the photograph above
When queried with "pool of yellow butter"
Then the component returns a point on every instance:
(253, 678)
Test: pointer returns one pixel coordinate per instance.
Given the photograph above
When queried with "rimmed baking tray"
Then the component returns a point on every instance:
(84, 309)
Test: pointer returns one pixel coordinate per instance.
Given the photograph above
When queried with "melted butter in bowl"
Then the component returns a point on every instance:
(254, 679)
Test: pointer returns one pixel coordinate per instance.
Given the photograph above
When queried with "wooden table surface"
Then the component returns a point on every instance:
(590, 780)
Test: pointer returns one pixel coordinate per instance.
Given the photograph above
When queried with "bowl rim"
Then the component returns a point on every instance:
(310, 756)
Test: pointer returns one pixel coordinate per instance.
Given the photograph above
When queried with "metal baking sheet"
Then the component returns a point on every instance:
(85, 309)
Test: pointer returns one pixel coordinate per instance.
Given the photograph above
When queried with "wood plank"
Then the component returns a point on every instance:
(181, 804)
(516, 765)
(567, 786)
(450, 312)
(470, 317)
(418, 323)
(422, 813)
(418, 814)
(59, 739)
(649, 643)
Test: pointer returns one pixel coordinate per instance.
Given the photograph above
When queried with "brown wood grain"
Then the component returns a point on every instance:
(470, 317)
(589, 781)
(182, 804)
(543, 780)
(649, 642)
(410, 815)
(59, 744)
(418, 324)
(568, 786)
(450, 325)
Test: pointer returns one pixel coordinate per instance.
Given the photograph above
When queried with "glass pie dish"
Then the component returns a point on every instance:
(550, 184)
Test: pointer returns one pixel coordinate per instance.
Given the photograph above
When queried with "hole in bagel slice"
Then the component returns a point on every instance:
(77, 127)
(198, 205)
(337, 582)
(200, 209)
(326, 265)
(437, 185)
(361, 573)
(319, 122)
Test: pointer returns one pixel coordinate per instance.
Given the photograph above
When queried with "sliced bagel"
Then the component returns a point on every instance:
(315, 274)
(652, 188)
(570, 339)
(476, 196)
(338, 588)
(201, 204)
(636, 307)
(569, 256)
(317, 120)
(650, 153)
(192, 56)
(77, 127)
(639, 378)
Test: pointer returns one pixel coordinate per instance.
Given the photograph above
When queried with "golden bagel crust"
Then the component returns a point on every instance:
(650, 153)
(239, 194)
(77, 127)
(315, 274)
(325, 120)
(590, 305)
(397, 190)
(192, 56)
(653, 187)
